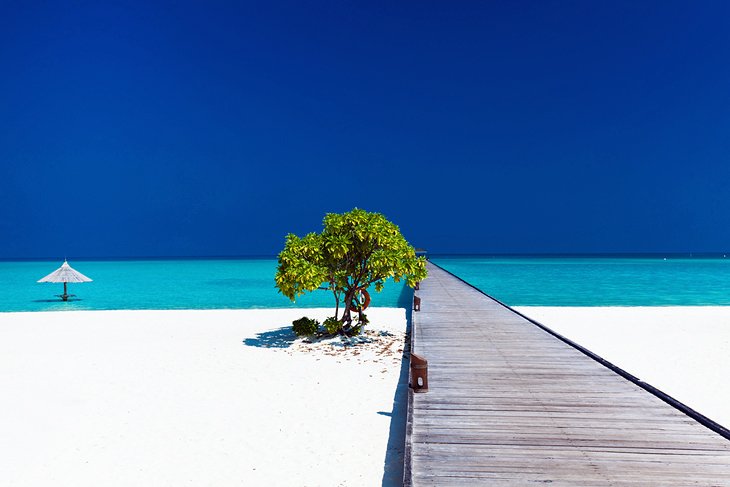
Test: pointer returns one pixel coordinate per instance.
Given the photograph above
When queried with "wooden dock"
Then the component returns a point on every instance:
(510, 404)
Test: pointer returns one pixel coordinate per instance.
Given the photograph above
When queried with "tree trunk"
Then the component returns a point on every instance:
(337, 304)
(346, 316)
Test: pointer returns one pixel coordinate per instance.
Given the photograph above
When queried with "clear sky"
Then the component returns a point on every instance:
(210, 128)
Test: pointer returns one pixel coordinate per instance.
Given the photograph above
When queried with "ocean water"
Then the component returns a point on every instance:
(165, 284)
(249, 283)
(655, 280)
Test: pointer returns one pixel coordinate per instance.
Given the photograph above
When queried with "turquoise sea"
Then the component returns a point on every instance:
(646, 280)
(164, 284)
(248, 283)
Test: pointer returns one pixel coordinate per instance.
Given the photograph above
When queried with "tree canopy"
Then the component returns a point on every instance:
(354, 251)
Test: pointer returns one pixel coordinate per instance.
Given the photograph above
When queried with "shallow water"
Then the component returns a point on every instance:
(164, 284)
(249, 283)
(597, 281)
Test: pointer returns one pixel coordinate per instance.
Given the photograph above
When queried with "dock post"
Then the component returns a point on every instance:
(419, 373)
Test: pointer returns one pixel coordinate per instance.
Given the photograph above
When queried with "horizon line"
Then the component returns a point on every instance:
(434, 254)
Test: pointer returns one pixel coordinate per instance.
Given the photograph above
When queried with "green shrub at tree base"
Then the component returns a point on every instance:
(305, 326)
(332, 325)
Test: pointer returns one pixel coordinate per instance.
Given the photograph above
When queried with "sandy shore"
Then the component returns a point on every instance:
(682, 350)
(203, 398)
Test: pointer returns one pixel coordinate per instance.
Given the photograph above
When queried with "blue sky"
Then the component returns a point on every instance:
(214, 128)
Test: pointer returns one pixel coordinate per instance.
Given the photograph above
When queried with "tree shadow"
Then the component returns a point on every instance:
(279, 338)
(394, 454)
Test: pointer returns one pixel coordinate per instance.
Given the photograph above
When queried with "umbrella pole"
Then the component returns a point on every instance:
(65, 293)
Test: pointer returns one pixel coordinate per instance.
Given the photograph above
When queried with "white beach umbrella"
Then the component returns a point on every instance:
(65, 274)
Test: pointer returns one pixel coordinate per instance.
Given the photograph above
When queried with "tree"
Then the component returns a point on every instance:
(355, 250)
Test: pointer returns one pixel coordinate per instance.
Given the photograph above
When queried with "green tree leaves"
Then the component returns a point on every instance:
(301, 267)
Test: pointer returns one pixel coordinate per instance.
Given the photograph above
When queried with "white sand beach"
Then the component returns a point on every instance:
(203, 398)
(682, 350)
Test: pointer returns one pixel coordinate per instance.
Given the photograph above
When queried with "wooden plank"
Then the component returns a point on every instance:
(510, 404)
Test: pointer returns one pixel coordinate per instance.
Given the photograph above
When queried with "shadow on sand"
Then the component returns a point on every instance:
(393, 467)
(280, 338)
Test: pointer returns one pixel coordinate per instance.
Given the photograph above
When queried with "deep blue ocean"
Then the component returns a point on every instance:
(249, 283)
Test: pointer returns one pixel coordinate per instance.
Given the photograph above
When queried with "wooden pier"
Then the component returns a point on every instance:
(510, 405)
